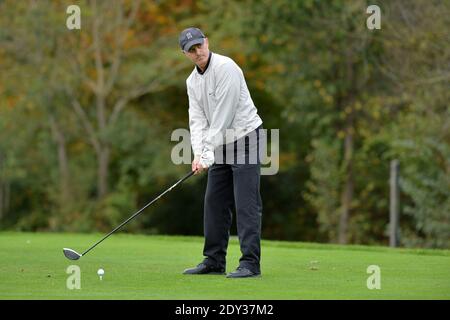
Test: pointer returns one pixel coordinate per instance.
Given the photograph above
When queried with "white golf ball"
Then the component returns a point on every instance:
(100, 272)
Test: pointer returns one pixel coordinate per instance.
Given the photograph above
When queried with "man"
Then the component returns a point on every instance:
(219, 101)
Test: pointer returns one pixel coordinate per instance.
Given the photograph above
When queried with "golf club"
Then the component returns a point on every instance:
(73, 255)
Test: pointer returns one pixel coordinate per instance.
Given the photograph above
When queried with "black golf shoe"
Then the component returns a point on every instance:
(242, 272)
(203, 268)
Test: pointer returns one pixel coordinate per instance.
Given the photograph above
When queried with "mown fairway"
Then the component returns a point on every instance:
(32, 266)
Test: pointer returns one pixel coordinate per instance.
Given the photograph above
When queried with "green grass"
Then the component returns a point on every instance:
(32, 266)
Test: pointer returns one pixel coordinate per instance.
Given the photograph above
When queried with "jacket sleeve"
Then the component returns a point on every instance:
(227, 92)
(198, 124)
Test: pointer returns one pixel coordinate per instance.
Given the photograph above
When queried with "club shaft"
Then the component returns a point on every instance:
(138, 212)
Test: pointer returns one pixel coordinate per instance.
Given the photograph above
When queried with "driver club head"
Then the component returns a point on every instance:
(71, 254)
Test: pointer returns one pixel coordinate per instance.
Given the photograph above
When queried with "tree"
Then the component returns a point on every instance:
(417, 66)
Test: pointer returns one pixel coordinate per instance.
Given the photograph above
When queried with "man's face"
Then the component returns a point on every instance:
(199, 53)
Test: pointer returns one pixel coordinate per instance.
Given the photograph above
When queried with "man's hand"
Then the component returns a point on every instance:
(196, 166)
(207, 159)
(202, 162)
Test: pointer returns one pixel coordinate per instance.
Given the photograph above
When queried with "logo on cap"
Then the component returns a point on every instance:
(190, 37)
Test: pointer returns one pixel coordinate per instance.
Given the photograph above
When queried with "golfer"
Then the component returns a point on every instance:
(220, 103)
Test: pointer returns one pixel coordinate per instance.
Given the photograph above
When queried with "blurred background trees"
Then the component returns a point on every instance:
(86, 115)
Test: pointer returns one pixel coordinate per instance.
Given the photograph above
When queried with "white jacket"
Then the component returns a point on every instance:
(218, 100)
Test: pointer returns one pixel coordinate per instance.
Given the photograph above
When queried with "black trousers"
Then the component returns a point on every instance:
(234, 185)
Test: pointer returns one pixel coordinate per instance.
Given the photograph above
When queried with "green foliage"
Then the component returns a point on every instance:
(422, 145)
(322, 188)
(347, 100)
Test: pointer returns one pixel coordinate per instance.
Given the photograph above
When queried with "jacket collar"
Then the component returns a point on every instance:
(207, 65)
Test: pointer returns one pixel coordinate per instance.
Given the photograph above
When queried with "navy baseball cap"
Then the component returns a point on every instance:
(190, 37)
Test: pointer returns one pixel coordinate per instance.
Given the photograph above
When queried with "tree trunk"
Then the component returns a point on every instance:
(1, 200)
(7, 196)
(1, 186)
(63, 163)
(100, 92)
(5, 189)
(5, 193)
(103, 171)
(347, 194)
